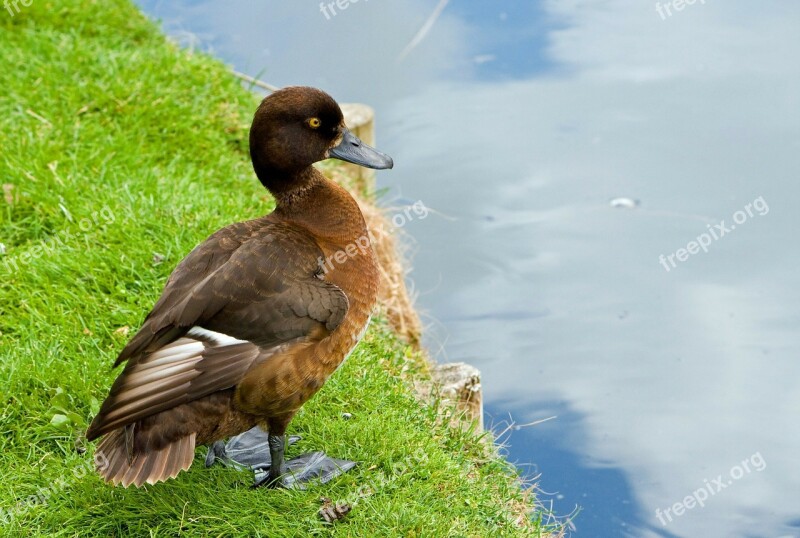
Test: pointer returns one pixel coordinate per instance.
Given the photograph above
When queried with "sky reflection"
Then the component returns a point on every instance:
(517, 122)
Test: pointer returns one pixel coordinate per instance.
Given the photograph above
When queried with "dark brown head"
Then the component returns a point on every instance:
(298, 126)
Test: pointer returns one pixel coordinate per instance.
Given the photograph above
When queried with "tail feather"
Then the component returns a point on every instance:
(149, 466)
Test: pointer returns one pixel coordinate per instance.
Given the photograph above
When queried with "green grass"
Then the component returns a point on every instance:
(119, 154)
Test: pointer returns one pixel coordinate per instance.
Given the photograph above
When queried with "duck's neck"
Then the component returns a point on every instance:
(321, 206)
(280, 182)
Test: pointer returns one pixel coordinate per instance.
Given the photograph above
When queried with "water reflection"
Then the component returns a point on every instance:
(518, 122)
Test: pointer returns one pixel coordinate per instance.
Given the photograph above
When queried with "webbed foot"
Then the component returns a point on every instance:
(256, 450)
(305, 468)
(248, 449)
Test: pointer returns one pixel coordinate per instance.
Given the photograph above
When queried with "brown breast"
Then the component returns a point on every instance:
(284, 383)
(349, 262)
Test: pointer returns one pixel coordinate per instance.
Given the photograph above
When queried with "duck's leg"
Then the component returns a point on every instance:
(300, 470)
(277, 449)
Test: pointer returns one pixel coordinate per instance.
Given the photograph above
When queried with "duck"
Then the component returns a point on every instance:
(254, 320)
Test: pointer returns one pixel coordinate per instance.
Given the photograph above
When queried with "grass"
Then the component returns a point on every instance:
(119, 154)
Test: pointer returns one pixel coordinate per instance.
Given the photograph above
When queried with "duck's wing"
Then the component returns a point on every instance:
(202, 337)
(206, 258)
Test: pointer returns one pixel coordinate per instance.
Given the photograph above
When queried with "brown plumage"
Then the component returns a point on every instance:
(253, 321)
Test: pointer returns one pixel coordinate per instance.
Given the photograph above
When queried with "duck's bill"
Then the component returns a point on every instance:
(353, 150)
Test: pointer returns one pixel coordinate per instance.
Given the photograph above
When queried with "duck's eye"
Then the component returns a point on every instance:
(314, 123)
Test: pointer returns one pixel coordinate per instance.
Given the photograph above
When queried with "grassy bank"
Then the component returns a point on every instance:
(119, 154)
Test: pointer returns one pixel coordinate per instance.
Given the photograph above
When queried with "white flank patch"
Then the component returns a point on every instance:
(186, 349)
(218, 338)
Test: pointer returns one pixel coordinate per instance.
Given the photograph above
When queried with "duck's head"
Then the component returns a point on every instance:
(297, 126)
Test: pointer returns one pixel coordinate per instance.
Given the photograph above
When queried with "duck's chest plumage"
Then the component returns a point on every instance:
(357, 274)
(345, 262)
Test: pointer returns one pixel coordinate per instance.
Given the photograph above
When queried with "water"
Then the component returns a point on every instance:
(518, 122)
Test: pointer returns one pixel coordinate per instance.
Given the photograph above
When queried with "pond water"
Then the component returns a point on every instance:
(614, 189)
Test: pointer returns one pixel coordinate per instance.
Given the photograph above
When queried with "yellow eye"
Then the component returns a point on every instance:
(314, 123)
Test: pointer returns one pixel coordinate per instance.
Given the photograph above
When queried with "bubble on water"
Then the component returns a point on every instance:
(624, 203)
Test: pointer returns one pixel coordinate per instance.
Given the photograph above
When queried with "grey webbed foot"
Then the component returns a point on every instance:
(249, 449)
(256, 450)
(305, 468)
